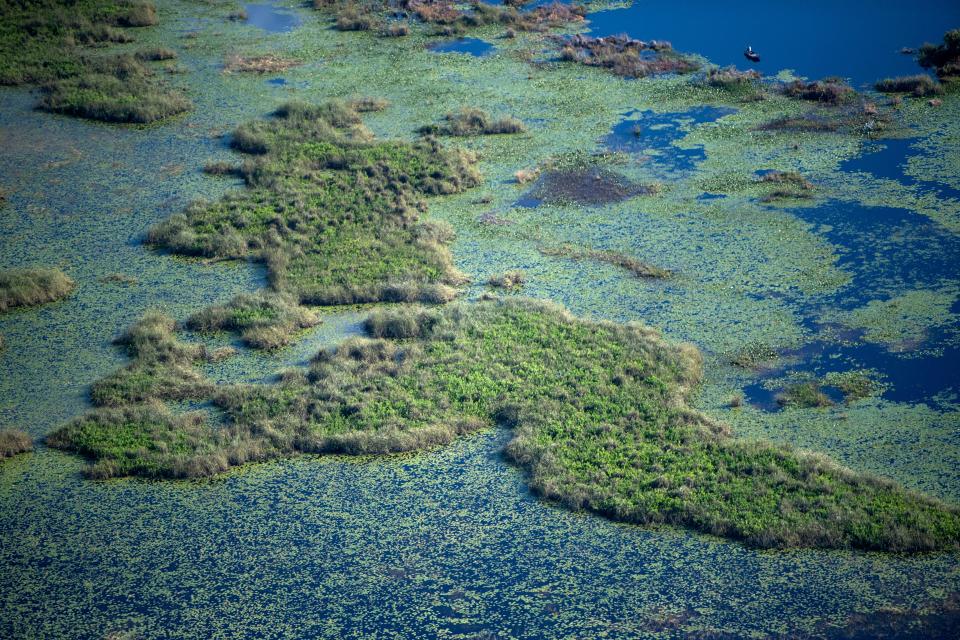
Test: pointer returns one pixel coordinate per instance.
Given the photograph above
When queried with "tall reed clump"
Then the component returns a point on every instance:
(14, 441)
(600, 416)
(52, 43)
(33, 286)
(333, 213)
(919, 85)
(473, 122)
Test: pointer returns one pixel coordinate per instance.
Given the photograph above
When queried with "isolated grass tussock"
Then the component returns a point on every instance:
(32, 286)
(473, 122)
(637, 267)
(14, 441)
(332, 212)
(804, 394)
(263, 320)
(599, 412)
(788, 184)
(508, 280)
(267, 63)
(919, 85)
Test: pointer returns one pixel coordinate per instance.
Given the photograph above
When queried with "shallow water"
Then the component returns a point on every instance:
(856, 39)
(271, 17)
(472, 46)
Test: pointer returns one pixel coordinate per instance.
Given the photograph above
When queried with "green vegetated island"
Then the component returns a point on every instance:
(599, 410)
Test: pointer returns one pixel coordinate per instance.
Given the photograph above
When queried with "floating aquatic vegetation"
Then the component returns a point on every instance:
(637, 267)
(332, 212)
(599, 411)
(901, 322)
(855, 385)
(13, 442)
(804, 394)
(33, 286)
(754, 355)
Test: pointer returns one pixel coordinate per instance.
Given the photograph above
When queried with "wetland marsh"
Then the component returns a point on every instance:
(744, 423)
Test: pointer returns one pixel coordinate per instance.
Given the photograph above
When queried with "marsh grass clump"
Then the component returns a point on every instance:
(356, 18)
(155, 54)
(332, 212)
(32, 286)
(599, 412)
(832, 91)
(919, 85)
(49, 42)
(267, 63)
(162, 367)
(943, 58)
(855, 385)
(473, 122)
(368, 104)
(855, 118)
(806, 394)
(508, 280)
(637, 267)
(222, 168)
(263, 320)
(625, 56)
(732, 79)
(13, 442)
(117, 89)
(789, 184)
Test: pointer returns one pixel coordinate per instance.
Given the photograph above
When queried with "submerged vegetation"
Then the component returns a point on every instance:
(264, 320)
(637, 267)
(30, 287)
(585, 185)
(804, 394)
(473, 122)
(50, 42)
(13, 441)
(598, 409)
(332, 212)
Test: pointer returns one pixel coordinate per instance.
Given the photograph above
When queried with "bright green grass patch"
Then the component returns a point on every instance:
(332, 212)
(30, 287)
(600, 417)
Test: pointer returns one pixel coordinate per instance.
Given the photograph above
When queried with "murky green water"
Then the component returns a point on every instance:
(449, 543)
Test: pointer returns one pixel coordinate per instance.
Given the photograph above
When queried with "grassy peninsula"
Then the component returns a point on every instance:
(599, 412)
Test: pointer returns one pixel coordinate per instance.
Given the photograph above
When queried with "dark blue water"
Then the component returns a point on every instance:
(888, 159)
(271, 18)
(472, 46)
(856, 39)
(886, 250)
(641, 131)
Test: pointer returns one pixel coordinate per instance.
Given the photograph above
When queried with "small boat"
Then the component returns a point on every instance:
(751, 55)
